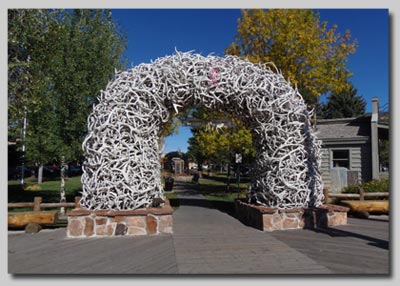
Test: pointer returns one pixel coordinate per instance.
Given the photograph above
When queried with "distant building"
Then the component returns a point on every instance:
(178, 165)
(176, 162)
(352, 143)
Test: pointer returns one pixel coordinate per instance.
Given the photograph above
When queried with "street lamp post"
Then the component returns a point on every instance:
(238, 161)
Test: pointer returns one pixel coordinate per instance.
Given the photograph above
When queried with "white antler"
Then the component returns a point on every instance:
(122, 168)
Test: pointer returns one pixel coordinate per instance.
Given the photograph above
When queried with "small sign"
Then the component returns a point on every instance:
(238, 158)
(213, 75)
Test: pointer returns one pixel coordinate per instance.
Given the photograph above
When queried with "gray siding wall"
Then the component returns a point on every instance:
(325, 167)
(360, 161)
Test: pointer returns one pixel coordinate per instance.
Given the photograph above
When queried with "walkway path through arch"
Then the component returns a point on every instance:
(207, 240)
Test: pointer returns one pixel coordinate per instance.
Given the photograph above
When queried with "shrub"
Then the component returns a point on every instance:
(373, 186)
(351, 189)
(33, 188)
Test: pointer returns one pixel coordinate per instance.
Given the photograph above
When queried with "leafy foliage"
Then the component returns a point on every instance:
(89, 50)
(29, 83)
(308, 52)
(220, 144)
(381, 185)
(352, 189)
(58, 62)
(344, 104)
(373, 186)
(194, 151)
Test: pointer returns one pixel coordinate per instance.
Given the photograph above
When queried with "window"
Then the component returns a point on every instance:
(341, 158)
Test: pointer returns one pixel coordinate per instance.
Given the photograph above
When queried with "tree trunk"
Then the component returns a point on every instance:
(62, 187)
(228, 185)
(40, 174)
(200, 167)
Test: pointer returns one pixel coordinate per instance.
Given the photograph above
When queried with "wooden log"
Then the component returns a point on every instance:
(77, 202)
(345, 196)
(326, 196)
(21, 219)
(20, 205)
(372, 206)
(36, 203)
(357, 196)
(362, 194)
(57, 205)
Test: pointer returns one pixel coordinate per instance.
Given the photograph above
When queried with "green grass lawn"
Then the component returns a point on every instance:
(49, 190)
(72, 183)
(171, 195)
(173, 199)
(214, 188)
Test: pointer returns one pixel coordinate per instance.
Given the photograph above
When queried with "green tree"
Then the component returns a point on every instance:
(194, 151)
(344, 104)
(58, 63)
(88, 45)
(219, 144)
(309, 53)
(26, 30)
(28, 84)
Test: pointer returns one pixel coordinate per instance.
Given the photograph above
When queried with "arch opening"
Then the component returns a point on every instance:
(122, 169)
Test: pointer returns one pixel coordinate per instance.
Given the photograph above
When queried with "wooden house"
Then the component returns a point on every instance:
(353, 143)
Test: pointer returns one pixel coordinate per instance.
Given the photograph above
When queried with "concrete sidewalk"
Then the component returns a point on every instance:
(208, 241)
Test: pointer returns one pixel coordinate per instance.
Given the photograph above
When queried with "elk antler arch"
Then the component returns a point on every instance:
(122, 169)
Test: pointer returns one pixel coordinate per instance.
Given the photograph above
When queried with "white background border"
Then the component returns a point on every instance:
(309, 280)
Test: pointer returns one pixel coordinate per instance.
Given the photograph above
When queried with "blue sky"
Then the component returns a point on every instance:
(156, 33)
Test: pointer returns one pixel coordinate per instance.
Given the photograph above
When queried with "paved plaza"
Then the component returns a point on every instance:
(207, 240)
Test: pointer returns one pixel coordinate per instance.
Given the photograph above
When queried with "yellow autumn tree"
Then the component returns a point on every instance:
(310, 53)
(219, 145)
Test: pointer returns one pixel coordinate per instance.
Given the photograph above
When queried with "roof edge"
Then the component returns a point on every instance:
(341, 120)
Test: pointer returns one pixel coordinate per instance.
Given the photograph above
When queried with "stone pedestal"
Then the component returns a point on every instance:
(146, 221)
(270, 219)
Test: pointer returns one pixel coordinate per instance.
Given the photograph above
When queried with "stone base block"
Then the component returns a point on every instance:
(270, 219)
(145, 221)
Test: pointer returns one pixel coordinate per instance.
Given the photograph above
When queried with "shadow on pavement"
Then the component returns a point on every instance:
(190, 190)
(225, 207)
(333, 232)
(225, 180)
